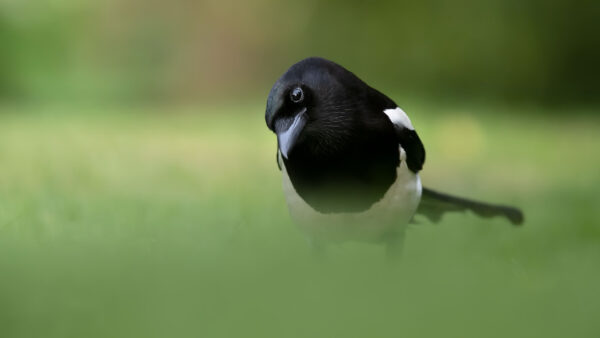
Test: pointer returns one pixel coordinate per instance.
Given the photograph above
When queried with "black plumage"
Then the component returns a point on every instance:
(342, 144)
(347, 155)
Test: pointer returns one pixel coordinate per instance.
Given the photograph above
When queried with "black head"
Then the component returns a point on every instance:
(333, 135)
(316, 103)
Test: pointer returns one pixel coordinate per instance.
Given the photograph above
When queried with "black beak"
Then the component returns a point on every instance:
(288, 131)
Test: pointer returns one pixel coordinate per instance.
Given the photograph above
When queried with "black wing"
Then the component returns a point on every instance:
(407, 137)
(412, 145)
(435, 204)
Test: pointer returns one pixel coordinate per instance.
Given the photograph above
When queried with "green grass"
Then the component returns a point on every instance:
(172, 223)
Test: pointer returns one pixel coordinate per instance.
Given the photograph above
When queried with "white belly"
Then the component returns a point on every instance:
(390, 215)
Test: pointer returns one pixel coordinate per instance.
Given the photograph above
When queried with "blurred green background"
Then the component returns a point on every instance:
(141, 50)
(139, 195)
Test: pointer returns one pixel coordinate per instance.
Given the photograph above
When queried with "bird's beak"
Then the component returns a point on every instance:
(289, 131)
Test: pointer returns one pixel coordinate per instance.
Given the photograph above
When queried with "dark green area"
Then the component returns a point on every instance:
(154, 51)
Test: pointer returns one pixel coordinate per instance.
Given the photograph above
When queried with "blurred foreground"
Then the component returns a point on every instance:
(128, 223)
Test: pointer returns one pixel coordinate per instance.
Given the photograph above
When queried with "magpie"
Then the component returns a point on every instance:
(350, 159)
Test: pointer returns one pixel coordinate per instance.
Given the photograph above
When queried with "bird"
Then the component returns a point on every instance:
(350, 159)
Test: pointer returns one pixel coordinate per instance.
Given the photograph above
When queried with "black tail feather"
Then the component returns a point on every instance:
(434, 204)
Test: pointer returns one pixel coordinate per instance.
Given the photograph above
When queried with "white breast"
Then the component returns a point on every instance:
(389, 215)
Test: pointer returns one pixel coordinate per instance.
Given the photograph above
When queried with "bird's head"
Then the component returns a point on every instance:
(313, 105)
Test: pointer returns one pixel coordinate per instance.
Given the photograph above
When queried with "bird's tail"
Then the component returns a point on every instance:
(434, 204)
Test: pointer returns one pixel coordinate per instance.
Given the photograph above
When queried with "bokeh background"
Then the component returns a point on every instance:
(141, 51)
(139, 195)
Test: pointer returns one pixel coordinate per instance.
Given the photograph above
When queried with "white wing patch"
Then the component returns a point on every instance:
(399, 117)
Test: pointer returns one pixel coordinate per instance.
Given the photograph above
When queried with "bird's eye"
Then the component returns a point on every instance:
(297, 95)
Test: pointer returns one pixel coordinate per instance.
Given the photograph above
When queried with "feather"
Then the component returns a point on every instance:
(435, 204)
